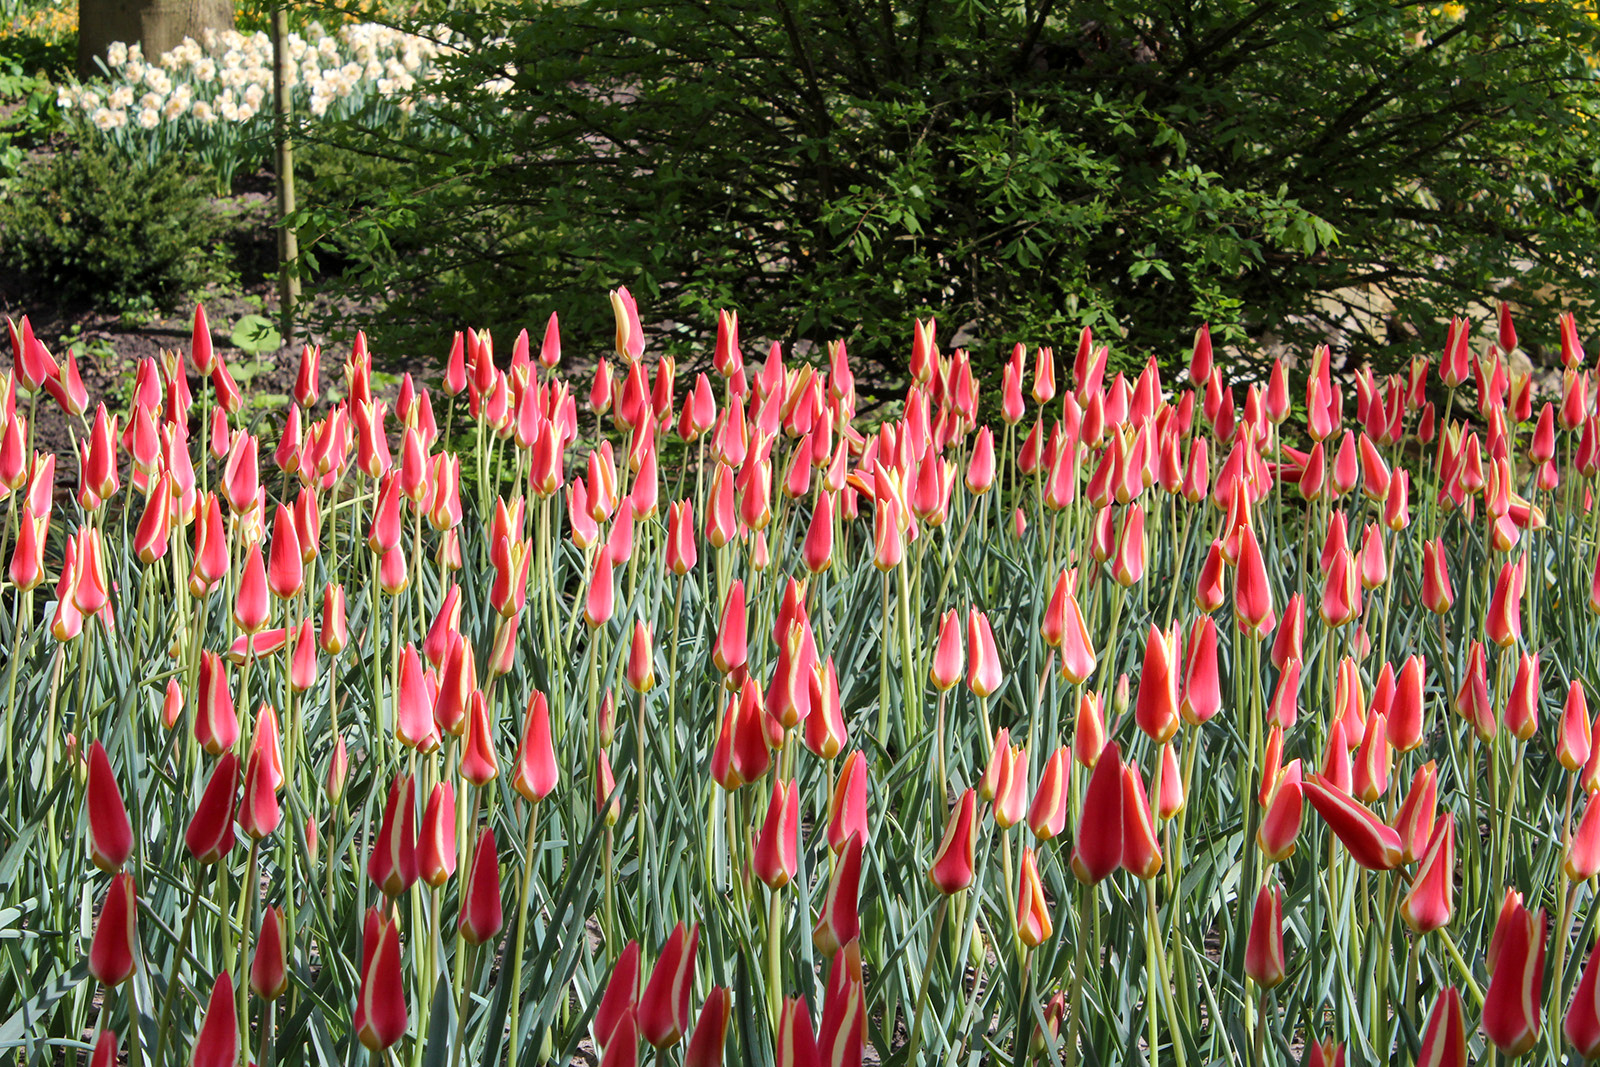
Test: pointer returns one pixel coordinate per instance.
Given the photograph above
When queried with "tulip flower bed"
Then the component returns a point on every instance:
(1159, 721)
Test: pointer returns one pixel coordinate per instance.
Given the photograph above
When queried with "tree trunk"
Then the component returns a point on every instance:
(158, 25)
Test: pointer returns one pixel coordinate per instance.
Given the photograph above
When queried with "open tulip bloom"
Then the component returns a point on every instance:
(1079, 705)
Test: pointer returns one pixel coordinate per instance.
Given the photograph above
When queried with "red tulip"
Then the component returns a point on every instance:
(1444, 1039)
(210, 834)
(1202, 686)
(1582, 860)
(952, 869)
(258, 807)
(1156, 710)
(479, 764)
(1252, 592)
(436, 837)
(847, 807)
(1285, 810)
(1431, 901)
(1033, 912)
(1503, 624)
(1472, 699)
(1099, 844)
(106, 1050)
(217, 1043)
(710, 1035)
(838, 923)
(777, 848)
(413, 705)
(1373, 759)
(1141, 848)
(269, 970)
(1574, 744)
(380, 1017)
(796, 1041)
(110, 832)
(1406, 720)
(113, 952)
(1415, 821)
(1369, 842)
(537, 772)
(663, 1014)
(392, 865)
(481, 914)
(1047, 816)
(1088, 731)
(1127, 565)
(1522, 707)
(1582, 1024)
(1512, 1009)
(1263, 952)
(841, 1034)
(983, 661)
(621, 995)
(945, 670)
(216, 726)
(826, 733)
(334, 635)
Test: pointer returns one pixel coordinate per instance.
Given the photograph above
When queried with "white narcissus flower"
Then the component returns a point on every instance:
(149, 118)
(102, 119)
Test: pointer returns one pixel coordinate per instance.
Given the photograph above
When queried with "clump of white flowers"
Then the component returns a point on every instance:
(216, 97)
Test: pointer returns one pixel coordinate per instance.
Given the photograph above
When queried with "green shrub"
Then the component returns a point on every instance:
(123, 234)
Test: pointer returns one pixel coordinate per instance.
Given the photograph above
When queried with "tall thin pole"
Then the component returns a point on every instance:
(288, 243)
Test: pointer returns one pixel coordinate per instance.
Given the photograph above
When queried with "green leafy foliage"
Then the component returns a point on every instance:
(122, 233)
(1283, 171)
(256, 334)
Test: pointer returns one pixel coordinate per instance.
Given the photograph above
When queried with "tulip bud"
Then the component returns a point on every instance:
(1156, 710)
(1141, 849)
(621, 995)
(1430, 903)
(481, 914)
(796, 1042)
(1512, 1005)
(217, 1043)
(952, 869)
(847, 807)
(380, 1017)
(777, 848)
(663, 1014)
(945, 670)
(392, 865)
(1098, 851)
(1033, 912)
(1263, 953)
(479, 764)
(110, 832)
(1285, 809)
(838, 923)
(112, 953)
(983, 661)
(1369, 842)
(1047, 817)
(710, 1036)
(269, 970)
(259, 813)
(436, 837)
(1582, 1024)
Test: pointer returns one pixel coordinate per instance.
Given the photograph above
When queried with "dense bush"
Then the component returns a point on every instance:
(1274, 169)
(92, 224)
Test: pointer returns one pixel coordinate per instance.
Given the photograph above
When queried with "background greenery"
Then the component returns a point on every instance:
(1289, 171)
(832, 167)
